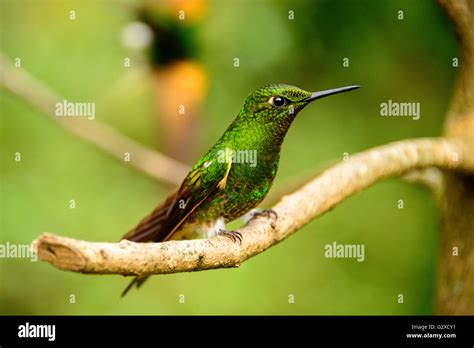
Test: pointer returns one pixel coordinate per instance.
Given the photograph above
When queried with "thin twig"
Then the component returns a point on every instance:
(20, 83)
(431, 178)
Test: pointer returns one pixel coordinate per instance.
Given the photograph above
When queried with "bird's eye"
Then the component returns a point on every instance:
(278, 101)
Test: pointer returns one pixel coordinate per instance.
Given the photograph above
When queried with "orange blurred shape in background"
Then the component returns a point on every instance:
(194, 10)
(180, 91)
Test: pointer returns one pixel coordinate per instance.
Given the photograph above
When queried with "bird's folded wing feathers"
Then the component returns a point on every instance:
(161, 223)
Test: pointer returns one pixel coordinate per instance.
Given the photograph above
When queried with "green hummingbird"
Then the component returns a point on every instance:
(234, 176)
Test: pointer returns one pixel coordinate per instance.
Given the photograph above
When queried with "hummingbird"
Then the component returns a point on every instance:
(234, 176)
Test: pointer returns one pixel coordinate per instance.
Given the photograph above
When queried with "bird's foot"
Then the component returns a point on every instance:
(233, 235)
(270, 213)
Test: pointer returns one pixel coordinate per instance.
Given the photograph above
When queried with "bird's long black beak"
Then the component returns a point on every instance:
(328, 92)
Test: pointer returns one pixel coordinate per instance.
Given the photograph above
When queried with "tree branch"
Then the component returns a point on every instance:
(455, 283)
(294, 211)
(152, 163)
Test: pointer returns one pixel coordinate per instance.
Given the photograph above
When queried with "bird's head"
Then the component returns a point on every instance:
(282, 102)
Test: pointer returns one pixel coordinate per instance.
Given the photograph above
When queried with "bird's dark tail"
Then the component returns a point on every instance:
(161, 223)
(138, 281)
(153, 228)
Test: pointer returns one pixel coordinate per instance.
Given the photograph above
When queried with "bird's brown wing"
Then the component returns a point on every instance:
(161, 223)
(166, 219)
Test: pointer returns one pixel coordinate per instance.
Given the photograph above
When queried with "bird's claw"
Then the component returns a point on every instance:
(233, 235)
(267, 213)
(270, 213)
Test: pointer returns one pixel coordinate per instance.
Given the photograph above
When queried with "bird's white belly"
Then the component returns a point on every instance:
(199, 231)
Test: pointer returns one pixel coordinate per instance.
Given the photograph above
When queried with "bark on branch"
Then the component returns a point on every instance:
(294, 211)
(455, 283)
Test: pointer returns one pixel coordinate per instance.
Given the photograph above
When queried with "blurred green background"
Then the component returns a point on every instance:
(403, 60)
